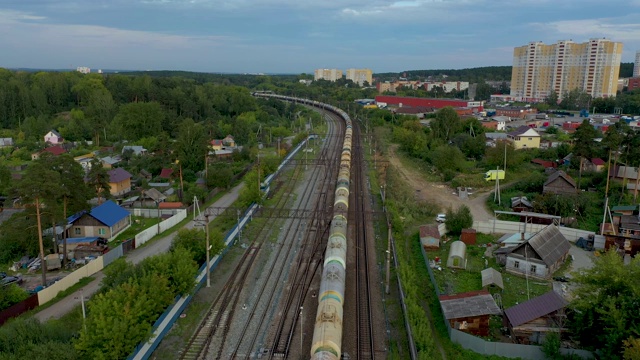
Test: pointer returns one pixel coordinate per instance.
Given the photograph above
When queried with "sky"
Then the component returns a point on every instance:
(298, 36)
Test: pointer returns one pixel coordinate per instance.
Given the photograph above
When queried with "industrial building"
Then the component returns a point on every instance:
(407, 101)
(539, 69)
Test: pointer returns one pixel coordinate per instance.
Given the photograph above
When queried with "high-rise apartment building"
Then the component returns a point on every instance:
(359, 76)
(636, 65)
(591, 66)
(328, 74)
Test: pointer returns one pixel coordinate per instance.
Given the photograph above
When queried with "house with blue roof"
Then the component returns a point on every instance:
(106, 221)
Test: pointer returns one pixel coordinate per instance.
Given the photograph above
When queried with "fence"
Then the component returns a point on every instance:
(152, 213)
(147, 234)
(16, 309)
(46, 295)
(508, 227)
(481, 346)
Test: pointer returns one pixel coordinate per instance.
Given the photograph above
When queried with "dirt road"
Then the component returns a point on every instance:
(438, 192)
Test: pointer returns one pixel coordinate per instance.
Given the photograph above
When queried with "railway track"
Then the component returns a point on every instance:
(212, 339)
(307, 266)
(365, 333)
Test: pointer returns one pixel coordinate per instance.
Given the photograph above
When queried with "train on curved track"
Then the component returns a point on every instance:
(327, 334)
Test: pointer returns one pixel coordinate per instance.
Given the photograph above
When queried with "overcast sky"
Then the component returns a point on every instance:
(296, 36)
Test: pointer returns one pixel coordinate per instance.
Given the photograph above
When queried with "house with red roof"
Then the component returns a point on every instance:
(216, 144)
(166, 173)
(54, 150)
(595, 164)
(120, 181)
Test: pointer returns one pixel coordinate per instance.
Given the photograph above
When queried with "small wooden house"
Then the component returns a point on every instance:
(559, 183)
(520, 204)
(541, 255)
(470, 311)
(531, 320)
(430, 237)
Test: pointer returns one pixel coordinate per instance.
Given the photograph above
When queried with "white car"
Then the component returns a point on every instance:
(441, 218)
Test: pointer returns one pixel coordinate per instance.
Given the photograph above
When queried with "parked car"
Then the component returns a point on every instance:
(441, 218)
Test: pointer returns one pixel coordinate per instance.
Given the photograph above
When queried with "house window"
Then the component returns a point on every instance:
(516, 264)
(530, 139)
(532, 269)
(76, 231)
(101, 231)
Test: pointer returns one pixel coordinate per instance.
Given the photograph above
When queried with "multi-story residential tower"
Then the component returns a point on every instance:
(359, 76)
(328, 74)
(591, 66)
(636, 65)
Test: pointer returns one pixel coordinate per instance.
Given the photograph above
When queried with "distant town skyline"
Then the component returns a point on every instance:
(286, 36)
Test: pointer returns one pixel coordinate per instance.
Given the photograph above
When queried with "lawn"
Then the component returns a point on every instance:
(453, 281)
(138, 224)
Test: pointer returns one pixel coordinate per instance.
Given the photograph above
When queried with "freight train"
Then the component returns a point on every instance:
(327, 334)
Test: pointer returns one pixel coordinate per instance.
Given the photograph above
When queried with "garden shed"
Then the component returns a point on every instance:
(430, 237)
(457, 255)
(468, 236)
(470, 311)
(491, 276)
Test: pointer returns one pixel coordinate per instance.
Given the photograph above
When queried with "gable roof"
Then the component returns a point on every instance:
(491, 276)
(55, 150)
(549, 244)
(166, 173)
(522, 130)
(545, 163)
(117, 175)
(474, 303)
(429, 230)
(216, 142)
(109, 213)
(154, 195)
(597, 161)
(535, 308)
(553, 177)
(53, 132)
(521, 200)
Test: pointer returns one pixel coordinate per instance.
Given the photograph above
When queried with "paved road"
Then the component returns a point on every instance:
(158, 246)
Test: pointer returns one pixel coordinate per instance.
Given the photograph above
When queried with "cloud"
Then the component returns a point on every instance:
(614, 29)
(13, 16)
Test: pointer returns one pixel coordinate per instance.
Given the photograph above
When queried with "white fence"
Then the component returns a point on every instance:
(147, 234)
(509, 227)
(152, 213)
(46, 295)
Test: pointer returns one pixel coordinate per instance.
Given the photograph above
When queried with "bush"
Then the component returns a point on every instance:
(458, 220)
